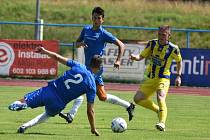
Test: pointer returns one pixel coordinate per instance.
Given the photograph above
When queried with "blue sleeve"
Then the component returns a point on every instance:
(91, 95)
(71, 63)
(108, 37)
(81, 37)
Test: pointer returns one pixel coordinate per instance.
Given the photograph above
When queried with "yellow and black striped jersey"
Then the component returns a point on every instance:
(160, 58)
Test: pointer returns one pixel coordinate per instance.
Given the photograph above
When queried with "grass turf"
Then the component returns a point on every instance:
(188, 119)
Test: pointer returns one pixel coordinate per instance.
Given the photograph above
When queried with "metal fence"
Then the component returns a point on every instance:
(187, 31)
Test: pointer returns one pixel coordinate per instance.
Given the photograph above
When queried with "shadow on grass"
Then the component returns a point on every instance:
(60, 123)
(38, 133)
(129, 129)
(5, 133)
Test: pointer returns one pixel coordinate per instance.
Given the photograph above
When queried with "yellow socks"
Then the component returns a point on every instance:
(149, 105)
(163, 111)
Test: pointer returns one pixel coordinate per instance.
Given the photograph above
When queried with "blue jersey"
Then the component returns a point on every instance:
(75, 82)
(96, 41)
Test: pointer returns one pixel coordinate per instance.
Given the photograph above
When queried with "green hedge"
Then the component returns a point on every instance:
(143, 13)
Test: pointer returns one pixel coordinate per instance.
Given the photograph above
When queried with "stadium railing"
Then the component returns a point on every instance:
(187, 31)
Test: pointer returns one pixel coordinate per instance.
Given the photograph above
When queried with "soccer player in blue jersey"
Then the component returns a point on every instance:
(160, 52)
(76, 81)
(94, 38)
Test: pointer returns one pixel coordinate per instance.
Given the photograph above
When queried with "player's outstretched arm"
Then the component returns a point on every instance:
(91, 118)
(121, 48)
(136, 57)
(51, 54)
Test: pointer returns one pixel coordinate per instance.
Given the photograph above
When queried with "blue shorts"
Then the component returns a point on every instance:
(45, 96)
(99, 80)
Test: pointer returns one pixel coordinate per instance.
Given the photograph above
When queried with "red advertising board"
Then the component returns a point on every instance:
(17, 58)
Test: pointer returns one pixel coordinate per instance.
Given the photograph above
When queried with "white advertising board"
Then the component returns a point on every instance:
(129, 70)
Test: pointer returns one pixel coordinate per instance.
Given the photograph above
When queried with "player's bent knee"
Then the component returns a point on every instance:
(102, 98)
(101, 93)
(161, 95)
(138, 97)
(137, 100)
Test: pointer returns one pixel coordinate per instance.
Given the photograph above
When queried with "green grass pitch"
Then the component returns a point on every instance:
(188, 119)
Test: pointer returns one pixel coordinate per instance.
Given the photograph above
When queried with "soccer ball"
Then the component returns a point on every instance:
(118, 125)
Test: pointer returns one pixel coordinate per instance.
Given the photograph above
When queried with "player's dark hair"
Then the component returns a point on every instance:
(98, 10)
(96, 61)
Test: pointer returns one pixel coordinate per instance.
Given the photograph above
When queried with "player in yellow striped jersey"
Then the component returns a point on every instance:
(160, 52)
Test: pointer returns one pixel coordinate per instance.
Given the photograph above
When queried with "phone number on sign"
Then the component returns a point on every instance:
(32, 71)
